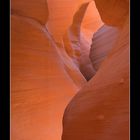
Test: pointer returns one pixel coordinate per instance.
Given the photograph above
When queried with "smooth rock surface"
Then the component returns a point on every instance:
(77, 43)
(41, 86)
(100, 110)
(50, 63)
(102, 43)
(61, 13)
(113, 12)
(36, 9)
(91, 21)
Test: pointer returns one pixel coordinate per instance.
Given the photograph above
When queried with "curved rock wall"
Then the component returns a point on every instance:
(50, 45)
(100, 110)
(113, 12)
(61, 13)
(35, 9)
(91, 21)
(40, 78)
(77, 42)
(103, 41)
(61, 16)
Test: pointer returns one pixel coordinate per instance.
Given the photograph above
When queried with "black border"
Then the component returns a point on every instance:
(5, 69)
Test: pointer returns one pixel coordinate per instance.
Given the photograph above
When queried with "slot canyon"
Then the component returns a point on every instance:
(69, 70)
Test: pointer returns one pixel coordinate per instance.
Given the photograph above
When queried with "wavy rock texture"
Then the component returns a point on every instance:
(50, 46)
(77, 20)
(103, 41)
(100, 110)
(61, 14)
(40, 79)
(72, 37)
(85, 64)
(83, 18)
(77, 42)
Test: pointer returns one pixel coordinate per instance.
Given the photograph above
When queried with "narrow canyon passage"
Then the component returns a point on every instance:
(69, 69)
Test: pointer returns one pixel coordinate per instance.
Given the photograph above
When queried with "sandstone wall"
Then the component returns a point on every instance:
(40, 75)
(100, 110)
